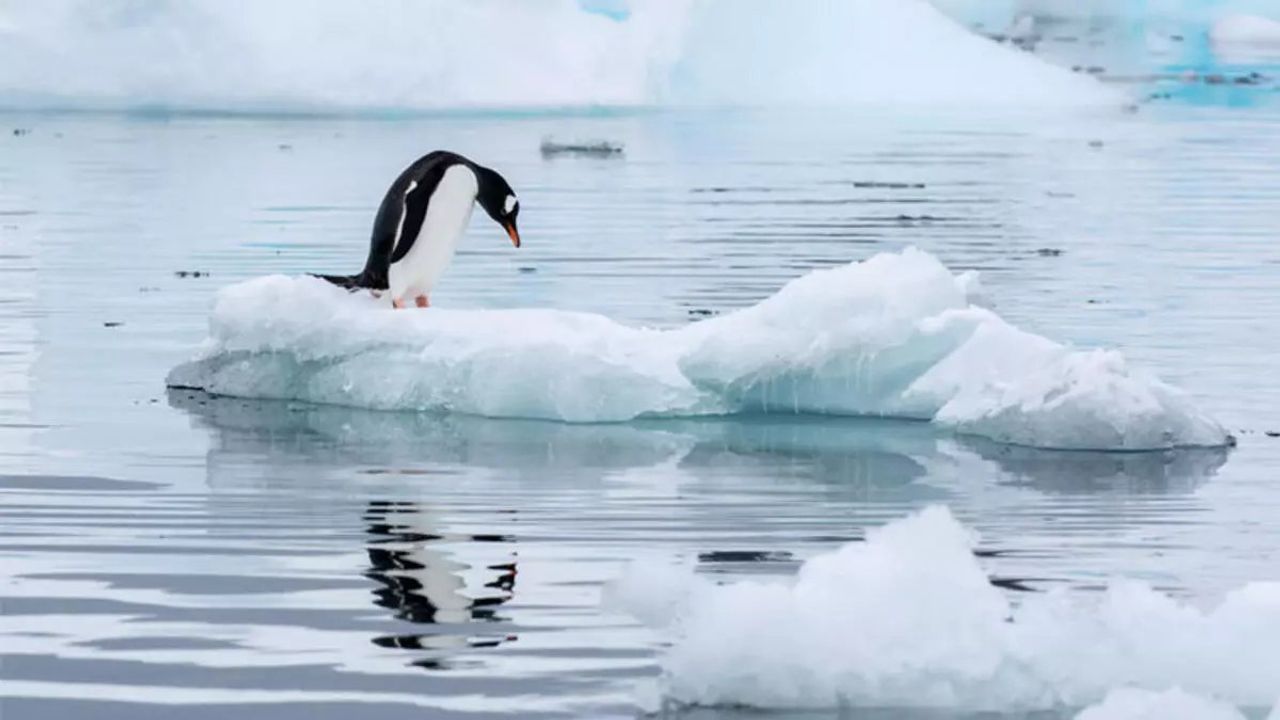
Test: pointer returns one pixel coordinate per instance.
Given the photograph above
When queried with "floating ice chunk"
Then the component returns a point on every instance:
(894, 336)
(909, 619)
(1246, 30)
(1135, 704)
(301, 338)
(587, 148)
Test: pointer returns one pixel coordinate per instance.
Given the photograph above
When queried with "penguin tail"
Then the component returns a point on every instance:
(350, 282)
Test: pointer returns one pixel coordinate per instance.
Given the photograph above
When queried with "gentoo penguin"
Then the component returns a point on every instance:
(421, 219)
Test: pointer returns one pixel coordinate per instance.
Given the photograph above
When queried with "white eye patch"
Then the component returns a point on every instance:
(509, 205)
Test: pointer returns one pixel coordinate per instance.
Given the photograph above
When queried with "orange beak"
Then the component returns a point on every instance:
(513, 233)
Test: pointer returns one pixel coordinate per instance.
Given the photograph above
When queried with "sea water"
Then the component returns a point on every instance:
(169, 552)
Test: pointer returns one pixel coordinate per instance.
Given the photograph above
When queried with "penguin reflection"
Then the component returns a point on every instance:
(422, 582)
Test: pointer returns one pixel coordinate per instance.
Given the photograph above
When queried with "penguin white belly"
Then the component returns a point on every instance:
(448, 213)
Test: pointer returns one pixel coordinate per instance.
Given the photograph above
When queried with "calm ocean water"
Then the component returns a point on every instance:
(170, 554)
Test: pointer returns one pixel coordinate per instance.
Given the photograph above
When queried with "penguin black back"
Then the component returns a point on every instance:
(404, 208)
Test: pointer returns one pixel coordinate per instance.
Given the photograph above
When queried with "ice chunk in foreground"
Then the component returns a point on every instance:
(909, 619)
(894, 336)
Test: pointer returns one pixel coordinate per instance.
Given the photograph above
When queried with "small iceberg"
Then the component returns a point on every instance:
(896, 335)
(909, 619)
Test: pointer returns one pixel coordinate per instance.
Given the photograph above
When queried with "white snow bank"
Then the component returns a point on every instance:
(309, 55)
(909, 619)
(895, 335)
(1175, 704)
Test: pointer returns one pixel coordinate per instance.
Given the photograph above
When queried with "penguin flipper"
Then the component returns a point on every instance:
(415, 212)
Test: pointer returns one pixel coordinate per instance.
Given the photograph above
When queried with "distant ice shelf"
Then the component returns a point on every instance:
(896, 335)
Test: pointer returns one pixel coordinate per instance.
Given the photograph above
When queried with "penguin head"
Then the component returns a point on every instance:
(499, 200)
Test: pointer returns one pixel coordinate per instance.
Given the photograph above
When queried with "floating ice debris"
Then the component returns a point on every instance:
(593, 148)
(910, 619)
(893, 336)
(888, 185)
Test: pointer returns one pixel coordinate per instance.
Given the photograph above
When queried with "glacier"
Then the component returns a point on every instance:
(896, 335)
(312, 56)
(909, 618)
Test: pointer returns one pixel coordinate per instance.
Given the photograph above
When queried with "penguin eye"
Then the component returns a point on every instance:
(511, 205)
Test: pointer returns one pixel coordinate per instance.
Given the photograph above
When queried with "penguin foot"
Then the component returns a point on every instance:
(422, 301)
(397, 303)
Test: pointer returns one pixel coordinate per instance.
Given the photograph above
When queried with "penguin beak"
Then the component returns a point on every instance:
(512, 233)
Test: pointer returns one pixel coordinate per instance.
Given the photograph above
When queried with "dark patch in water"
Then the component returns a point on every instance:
(202, 584)
(1015, 584)
(979, 552)
(158, 643)
(759, 189)
(888, 185)
(72, 482)
(745, 556)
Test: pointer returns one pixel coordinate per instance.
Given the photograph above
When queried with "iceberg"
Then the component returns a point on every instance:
(897, 335)
(909, 619)
(351, 56)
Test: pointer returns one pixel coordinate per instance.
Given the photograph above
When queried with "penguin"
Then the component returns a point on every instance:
(423, 215)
